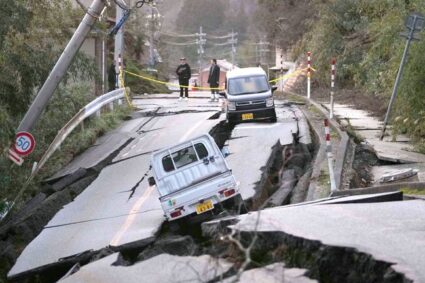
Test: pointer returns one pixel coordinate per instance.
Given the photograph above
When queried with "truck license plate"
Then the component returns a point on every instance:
(205, 206)
(247, 116)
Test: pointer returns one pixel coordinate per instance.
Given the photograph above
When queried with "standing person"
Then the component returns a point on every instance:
(213, 79)
(112, 76)
(184, 74)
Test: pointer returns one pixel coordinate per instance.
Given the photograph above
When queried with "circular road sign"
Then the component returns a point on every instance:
(24, 143)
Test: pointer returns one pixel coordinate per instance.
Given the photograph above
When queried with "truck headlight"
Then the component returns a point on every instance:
(231, 106)
(269, 102)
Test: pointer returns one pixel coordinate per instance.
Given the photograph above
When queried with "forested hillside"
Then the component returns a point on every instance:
(363, 36)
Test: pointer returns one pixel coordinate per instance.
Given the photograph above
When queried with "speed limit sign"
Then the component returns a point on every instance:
(24, 143)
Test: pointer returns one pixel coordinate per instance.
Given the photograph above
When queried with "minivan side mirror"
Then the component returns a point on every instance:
(274, 88)
(222, 94)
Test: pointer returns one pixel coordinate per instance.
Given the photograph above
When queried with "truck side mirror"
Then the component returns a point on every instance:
(151, 181)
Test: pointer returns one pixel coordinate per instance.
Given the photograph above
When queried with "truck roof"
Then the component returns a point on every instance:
(243, 72)
(177, 146)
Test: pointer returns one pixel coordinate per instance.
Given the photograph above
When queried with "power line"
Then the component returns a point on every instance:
(180, 43)
(179, 35)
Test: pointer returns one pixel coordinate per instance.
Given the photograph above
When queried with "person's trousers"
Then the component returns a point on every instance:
(184, 87)
(214, 91)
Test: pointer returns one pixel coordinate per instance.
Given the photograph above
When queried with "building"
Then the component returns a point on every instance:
(95, 47)
(224, 67)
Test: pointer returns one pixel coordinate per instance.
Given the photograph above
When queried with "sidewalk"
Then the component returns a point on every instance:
(397, 154)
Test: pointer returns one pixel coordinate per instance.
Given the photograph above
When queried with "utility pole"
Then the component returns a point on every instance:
(154, 16)
(200, 42)
(263, 54)
(119, 45)
(61, 67)
(233, 41)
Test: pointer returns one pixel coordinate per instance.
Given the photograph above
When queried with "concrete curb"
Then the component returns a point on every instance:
(380, 189)
(341, 155)
(317, 160)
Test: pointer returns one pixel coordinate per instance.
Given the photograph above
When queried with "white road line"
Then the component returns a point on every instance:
(130, 219)
(132, 216)
(191, 130)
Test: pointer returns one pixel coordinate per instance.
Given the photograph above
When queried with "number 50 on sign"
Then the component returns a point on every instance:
(24, 143)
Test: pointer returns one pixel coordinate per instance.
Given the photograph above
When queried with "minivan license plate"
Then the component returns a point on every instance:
(247, 116)
(205, 206)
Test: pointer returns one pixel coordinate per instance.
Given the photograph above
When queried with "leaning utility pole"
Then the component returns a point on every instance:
(61, 67)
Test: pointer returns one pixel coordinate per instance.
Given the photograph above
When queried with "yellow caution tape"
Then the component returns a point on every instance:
(121, 78)
(172, 84)
(210, 88)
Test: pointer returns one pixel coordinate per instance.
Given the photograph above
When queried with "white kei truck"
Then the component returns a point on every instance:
(193, 178)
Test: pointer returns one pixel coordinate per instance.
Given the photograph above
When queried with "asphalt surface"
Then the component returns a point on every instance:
(254, 142)
(388, 231)
(119, 207)
(161, 268)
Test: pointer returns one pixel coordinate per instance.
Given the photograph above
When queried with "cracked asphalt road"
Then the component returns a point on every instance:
(104, 215)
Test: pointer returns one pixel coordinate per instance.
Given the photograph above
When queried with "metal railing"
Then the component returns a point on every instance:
(85, 112)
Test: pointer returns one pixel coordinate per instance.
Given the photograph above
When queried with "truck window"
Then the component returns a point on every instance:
(201, 150)
(184, 157)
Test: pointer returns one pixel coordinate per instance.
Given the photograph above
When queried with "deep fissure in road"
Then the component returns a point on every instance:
(188, 239)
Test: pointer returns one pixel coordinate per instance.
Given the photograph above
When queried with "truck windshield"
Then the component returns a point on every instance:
(248, 85)
(184, 157)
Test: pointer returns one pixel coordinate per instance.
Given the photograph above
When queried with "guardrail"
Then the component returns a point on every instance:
(85, 112)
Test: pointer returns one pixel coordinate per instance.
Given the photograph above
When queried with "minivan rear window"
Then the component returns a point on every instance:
(247, 85)
(184, 157)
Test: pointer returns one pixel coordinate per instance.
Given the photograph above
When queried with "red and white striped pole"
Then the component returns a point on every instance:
(308, 75)
(333, 70)
(329, 155)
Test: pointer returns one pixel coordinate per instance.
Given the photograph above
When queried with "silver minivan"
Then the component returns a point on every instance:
(249, 96)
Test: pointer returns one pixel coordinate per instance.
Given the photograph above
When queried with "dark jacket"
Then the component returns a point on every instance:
(214, 76)
(183, 72)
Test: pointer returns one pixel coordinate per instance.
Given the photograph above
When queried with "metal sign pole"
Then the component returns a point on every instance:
(410, 37)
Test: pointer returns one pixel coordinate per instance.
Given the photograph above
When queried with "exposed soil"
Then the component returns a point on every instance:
(375, 105)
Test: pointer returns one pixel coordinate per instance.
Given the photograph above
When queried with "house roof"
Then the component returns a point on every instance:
(224, 66)
(241, 72)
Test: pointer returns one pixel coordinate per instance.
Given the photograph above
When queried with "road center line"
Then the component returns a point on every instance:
(191, 130)
(130, 219)
(132, 216)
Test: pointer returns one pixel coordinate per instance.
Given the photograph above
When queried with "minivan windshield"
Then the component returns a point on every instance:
(247, 85)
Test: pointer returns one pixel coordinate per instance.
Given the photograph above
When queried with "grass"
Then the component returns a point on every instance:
(408, 191)
(79, 140)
